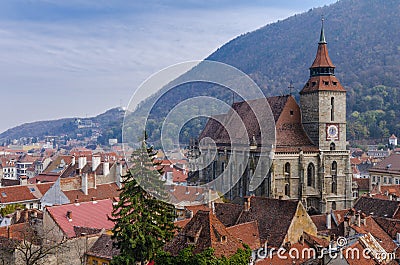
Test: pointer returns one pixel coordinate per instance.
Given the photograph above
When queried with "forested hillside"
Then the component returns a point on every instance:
(363, 43)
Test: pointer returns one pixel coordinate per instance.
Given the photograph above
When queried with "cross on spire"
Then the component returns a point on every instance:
(290, 87)
(322, 36)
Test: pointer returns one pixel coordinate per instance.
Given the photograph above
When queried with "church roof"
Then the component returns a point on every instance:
(322, 77)
(289, 132)
(322, 58)
(322, 83)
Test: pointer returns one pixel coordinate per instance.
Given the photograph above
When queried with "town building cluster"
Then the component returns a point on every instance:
(319, 204)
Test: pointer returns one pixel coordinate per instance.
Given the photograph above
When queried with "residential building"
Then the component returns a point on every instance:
(386, 172)
(71, 220)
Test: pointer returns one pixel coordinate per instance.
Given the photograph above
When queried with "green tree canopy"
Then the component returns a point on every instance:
(143, 223)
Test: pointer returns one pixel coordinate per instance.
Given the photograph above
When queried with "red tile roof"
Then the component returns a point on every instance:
(15, 231)
(390, 164)
(247, 233)
(14, 194)
(285, 258)
(102, 191)
(85, 214)
(363, 183)
(205, 231)
(103, 248)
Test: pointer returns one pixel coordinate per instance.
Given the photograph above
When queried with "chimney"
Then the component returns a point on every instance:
(118, 174)
(17, 214)
(358, 219)
(96, 160)
(69, 215)
(106, 168)
(73, 161)
(26, 215)
(247, 203)
(81, 162)
(94, 200)
(328, 221)
(84, 179)
(363, 220)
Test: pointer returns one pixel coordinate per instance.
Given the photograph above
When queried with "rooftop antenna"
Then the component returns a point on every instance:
(290, 87)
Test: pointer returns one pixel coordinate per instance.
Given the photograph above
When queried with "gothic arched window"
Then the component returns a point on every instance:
(311, 175)
(287, 169)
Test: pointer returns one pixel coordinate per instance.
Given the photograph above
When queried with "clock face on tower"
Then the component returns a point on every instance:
(332, 132)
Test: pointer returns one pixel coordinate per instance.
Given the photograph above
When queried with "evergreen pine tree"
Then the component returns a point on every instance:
(143, 223)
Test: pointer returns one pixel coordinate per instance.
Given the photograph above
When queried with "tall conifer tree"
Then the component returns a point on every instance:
(143, 223)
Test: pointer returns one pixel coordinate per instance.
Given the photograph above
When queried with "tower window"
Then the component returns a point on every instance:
(287, 179)
(287, 169)
(332, 108)
(291, 112)
(333, 205)
(287, 189)
(332, 146)
(334, 168)
(311, 175)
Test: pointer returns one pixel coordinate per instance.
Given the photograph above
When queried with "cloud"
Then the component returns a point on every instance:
(82, 57)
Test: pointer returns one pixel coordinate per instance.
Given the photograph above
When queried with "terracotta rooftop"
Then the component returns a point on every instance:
(376, 207)
(22, 193)
(103, 248)
(247, 233)
(85, 214)
(390, 164)
(363, 183)
(102, 191)
(389, 225)
(205, 231)
(265, 211)
(374, 229)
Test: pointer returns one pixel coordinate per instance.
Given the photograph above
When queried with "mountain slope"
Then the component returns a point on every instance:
(109, 123)
(363, 44)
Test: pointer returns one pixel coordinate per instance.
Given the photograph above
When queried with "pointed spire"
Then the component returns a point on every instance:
(322, 36)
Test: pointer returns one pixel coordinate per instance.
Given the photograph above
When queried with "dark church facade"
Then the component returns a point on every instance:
(310, 162)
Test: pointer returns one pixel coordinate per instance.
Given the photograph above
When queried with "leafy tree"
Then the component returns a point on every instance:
(186, 256)
(10, 208)
(143, 223)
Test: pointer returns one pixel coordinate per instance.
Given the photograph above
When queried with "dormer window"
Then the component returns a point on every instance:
(314, 83)
(191, 240)
(291, 112)
(326, 83)
(334, 83)
(223, 239)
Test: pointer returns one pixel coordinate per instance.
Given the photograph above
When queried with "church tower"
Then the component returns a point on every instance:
(323, 107)
(323, 102)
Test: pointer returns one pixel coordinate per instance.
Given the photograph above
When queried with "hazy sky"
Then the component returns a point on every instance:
(79, 57)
